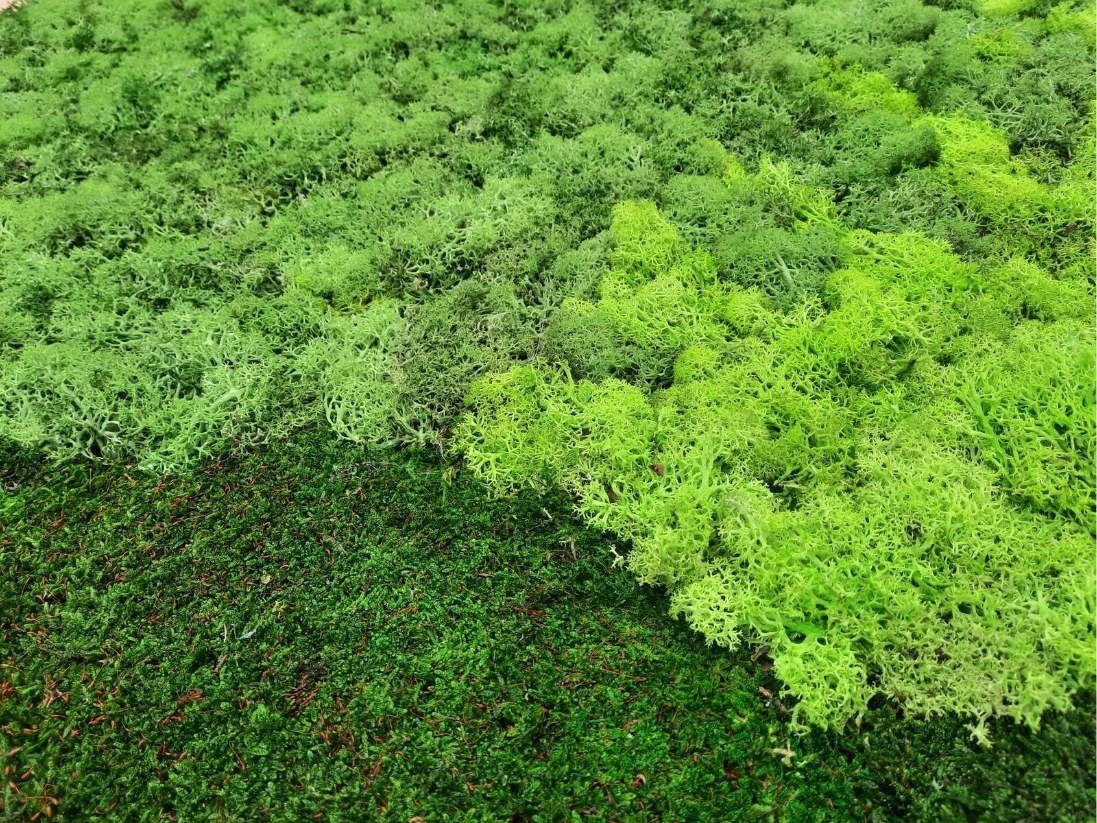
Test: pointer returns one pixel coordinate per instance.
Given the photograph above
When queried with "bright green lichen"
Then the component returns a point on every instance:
(890, 486)
(158, 169)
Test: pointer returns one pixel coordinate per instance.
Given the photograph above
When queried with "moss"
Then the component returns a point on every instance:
(891, 470)
(175, 164)
(326, 630)
(220, 224)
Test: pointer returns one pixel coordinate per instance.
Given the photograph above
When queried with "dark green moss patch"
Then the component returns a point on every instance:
(316, 630)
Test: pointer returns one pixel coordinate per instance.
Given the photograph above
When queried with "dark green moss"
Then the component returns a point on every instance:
(314, 629)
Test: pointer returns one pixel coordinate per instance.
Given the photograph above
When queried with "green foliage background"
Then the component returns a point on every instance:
(219, 219)
(869, 225)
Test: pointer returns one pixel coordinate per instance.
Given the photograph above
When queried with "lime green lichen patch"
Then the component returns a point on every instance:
(891, 487)
(1004, 7)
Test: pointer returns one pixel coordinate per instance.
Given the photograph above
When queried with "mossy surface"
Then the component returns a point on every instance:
(315, 630)
(231, 231)
(889, 484)
(219, 220)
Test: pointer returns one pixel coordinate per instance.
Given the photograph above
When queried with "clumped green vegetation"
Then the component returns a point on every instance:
(310, 631)
(891, 487)
(218, 220)
(884, 469)
(792, 300)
